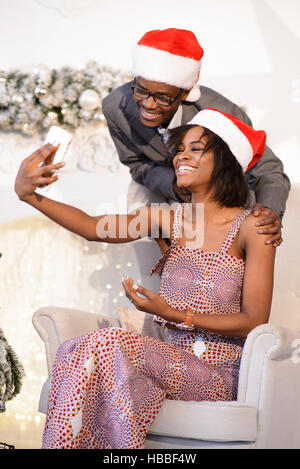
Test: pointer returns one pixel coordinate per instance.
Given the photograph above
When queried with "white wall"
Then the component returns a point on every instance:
(251, 55)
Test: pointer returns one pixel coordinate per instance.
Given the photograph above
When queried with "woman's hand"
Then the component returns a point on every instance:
(270, 225)
(151, 303)
(31, 175)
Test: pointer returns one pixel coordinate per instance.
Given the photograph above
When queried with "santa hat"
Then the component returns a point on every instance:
(171, 56)
(246, 144)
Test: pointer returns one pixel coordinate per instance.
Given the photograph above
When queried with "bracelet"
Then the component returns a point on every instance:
(188, 324)
(189, 315)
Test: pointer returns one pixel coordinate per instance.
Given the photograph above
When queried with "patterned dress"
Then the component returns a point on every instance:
(108, 386)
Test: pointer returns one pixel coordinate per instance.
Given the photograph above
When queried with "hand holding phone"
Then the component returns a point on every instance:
(55, 136)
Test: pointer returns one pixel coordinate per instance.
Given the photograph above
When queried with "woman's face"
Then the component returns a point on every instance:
(193, 166)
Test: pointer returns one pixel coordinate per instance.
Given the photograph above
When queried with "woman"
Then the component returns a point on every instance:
(108, 386)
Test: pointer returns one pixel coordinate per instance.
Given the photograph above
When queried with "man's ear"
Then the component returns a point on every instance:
(185, 95)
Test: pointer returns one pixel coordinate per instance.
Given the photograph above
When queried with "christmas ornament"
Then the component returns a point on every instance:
(89, 100)
(36, 97)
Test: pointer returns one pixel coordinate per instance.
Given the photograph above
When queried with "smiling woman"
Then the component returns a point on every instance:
(194, 148)
(108, 386)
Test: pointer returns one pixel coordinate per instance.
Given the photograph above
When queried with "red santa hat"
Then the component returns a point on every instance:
(172, 56)
(246, 144)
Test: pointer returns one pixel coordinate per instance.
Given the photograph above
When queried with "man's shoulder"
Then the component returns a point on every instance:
(116, 97)
(213, 99)
(208, 94)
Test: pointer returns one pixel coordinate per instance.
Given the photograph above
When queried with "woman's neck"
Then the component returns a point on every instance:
(214, 213)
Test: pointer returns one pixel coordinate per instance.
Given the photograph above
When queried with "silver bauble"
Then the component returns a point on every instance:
(89, 100)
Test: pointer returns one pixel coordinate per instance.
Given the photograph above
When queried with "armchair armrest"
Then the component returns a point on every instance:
(269, 375)
(265, 343)
(281, 339)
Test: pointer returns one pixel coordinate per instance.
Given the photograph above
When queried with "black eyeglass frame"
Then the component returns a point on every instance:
(155, 95)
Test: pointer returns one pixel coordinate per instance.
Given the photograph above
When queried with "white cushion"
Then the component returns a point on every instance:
(131, 319)
(214, 421)
(43, 403)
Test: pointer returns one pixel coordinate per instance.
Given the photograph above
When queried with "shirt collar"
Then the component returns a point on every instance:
(175, 122)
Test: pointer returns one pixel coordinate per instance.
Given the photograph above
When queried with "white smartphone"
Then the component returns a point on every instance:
(57, 135)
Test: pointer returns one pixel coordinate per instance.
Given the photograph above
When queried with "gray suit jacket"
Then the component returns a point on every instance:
(144, 152)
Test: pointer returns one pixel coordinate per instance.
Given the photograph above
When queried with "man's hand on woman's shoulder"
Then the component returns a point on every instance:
(268, 224)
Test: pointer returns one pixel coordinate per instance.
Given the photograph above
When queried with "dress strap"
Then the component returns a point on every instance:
(175, 234)
(177, 223)
(233, 231)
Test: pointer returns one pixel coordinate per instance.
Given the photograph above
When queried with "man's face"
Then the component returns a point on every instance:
(152, 112)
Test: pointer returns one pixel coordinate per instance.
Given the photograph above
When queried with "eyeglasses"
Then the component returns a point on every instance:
(160, 99)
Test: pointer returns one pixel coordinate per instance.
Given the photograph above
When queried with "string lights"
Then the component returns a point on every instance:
(42, 265)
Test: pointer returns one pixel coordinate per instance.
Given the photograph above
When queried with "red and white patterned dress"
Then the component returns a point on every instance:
(108, 386)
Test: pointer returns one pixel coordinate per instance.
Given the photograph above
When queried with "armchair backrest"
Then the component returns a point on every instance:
(55, 325)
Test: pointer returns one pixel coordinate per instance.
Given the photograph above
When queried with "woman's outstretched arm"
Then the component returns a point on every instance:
(146, 221)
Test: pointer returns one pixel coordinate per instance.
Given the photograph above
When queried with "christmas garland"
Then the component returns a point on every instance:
(33, 101)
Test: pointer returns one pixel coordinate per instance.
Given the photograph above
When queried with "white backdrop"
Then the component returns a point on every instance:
(251, 56)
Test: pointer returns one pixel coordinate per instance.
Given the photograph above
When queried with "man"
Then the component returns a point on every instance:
(164, 94)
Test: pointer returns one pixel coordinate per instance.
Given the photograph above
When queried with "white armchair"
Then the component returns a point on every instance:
(267, 411)
(265, 415)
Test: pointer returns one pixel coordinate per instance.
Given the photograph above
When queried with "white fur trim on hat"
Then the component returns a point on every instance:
(161, 66)
(194, 94)
(229, 132)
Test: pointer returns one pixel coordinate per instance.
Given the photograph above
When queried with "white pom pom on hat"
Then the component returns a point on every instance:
(172, 56)
(194, 94)
(246, 143)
